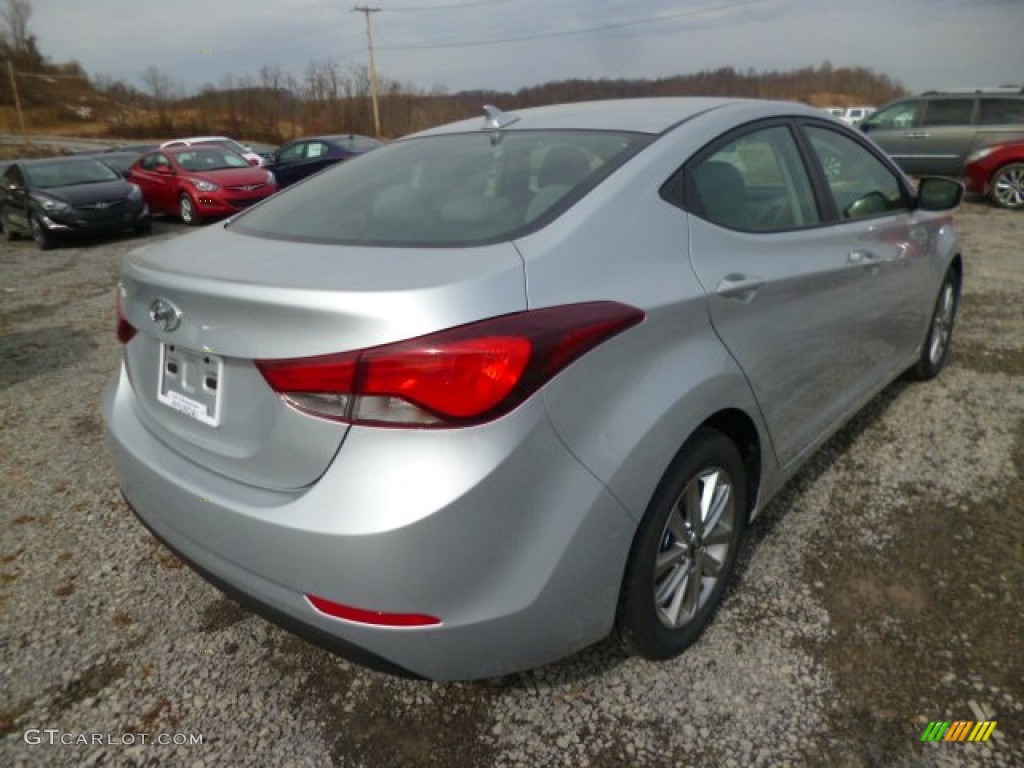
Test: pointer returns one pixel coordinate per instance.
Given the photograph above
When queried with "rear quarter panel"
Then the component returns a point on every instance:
(626, 408)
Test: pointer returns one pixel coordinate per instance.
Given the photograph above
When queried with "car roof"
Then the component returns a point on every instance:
(199, 145)
(655, 115)
(198, 138)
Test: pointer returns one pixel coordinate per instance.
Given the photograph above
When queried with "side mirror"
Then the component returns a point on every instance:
(871, 204)
(865, 126)
(164, 169)
(936, 193)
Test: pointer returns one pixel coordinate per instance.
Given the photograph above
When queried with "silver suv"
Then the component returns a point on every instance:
(933, 133)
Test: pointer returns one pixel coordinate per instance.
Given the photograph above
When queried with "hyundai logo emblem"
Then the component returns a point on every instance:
(165, 316)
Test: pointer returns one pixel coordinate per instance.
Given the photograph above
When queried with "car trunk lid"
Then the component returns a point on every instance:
(207, 305)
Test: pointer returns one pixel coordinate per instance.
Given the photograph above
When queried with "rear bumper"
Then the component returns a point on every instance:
(496, 530)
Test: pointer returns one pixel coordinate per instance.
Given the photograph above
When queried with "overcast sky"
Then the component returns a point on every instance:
(507, 44)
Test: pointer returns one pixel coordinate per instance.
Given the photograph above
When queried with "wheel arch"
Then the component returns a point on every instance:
(736, 425)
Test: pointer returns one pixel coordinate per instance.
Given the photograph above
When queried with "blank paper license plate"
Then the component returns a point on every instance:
(191, 383)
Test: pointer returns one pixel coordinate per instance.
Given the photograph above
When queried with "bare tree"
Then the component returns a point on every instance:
(161, 87)
(15, 15)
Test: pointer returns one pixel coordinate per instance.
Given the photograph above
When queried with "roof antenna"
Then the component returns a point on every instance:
(495, 119)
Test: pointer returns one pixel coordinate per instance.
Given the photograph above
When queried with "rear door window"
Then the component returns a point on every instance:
(949, 112)
(755, 183)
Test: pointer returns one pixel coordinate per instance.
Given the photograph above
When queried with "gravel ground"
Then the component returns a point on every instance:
(880, 591)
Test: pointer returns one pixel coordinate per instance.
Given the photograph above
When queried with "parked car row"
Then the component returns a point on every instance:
(196, 178)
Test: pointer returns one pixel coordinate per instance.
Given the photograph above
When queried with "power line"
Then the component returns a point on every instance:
(573, 32)
(445, 7)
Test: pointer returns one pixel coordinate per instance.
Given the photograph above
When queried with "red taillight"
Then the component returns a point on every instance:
(464, 375)
(125, 330)
(377, 618)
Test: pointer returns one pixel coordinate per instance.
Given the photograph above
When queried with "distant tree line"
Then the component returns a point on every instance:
(274, 105)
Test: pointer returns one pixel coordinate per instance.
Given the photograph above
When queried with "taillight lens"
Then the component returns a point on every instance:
(125, 330)
(460, 376)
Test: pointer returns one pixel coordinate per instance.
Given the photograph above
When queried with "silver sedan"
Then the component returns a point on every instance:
(475, 400)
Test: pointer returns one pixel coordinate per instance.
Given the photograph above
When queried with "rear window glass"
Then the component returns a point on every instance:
(456, 189)
(1001, 111)
(949, 112)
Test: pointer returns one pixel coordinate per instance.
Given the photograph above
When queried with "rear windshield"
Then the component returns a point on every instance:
(450, 190)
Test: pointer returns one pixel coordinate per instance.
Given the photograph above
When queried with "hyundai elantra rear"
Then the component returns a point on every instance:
(419, 407)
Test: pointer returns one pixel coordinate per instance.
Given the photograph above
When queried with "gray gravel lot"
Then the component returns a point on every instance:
(880, 591)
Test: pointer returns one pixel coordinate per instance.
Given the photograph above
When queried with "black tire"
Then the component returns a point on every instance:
(44, 240)
(187, 209)
(663, 610)
(1006, 187)
(143, 227)
(935, 349)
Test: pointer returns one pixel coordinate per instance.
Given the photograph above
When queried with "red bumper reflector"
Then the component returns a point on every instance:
(377, 618)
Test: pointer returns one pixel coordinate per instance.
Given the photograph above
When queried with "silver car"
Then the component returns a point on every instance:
(473, 401)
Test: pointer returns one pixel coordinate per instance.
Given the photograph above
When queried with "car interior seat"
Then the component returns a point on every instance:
(562, 169)
(721, 192)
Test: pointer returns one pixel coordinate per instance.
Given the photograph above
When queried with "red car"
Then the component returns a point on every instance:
(997, 172)
(200, 182)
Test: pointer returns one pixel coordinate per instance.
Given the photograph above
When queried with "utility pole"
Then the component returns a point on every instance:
(366, 11)
(17, 101)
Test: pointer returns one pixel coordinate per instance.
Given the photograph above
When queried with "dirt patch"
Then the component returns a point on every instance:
(368, 718)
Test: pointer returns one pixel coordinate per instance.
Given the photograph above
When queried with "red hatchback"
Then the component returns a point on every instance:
(997, 172)
(200, 182)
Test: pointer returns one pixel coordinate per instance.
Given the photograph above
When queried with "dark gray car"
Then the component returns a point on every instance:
(48, 199)
(935, 132)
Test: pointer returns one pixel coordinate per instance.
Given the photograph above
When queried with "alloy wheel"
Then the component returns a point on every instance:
(942, 324)
(694, 547)
(188, 213)
(1008, 186)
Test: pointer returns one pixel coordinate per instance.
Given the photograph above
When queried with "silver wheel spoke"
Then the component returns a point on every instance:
(694, 583)
(718, 500)
(711, 566)
(669, 559)
(677, 525)
(717, 537)
(671, 591)
(693, 503)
